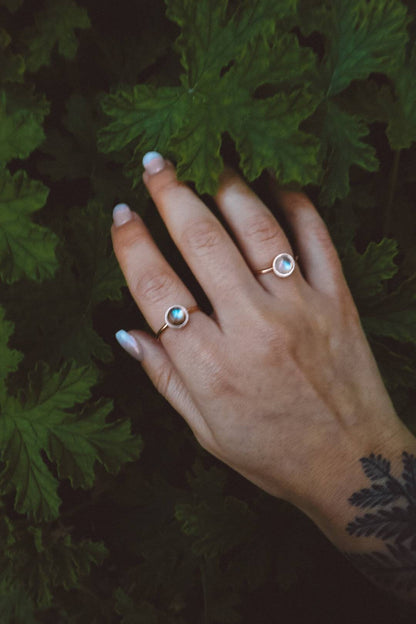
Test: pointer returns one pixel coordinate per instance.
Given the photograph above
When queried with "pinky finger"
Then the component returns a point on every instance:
(166, 379)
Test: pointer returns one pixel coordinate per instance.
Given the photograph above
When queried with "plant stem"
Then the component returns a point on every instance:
(394, 176)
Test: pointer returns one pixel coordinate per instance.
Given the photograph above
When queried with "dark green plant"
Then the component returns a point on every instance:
(110, 511)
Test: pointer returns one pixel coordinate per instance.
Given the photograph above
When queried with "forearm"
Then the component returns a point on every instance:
(368, 510)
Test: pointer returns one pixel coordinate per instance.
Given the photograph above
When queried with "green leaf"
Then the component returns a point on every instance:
(342, 147)
(216, 523)
(396, 369)
(12, 66)
(25, 247)
(54, 26)
(366, 272)
(15, 605)
(189, 121)
(46, 559)
(395, 315)
(21, 118)
(365, 36)
(36, 421)
(76, 443)
(401, 130)
(9, 358)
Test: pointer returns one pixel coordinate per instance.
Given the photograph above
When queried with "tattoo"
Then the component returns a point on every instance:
(394, 522)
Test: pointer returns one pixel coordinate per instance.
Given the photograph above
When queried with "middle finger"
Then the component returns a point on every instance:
(204, 243)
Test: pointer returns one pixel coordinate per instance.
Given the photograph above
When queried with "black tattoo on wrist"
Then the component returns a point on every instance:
(394, 522)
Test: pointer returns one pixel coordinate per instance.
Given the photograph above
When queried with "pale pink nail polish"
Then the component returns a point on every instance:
(129, 344)
(153, 162)
(121, 214)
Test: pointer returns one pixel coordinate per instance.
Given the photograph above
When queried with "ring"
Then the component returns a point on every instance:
(176, 317)
(283, 265)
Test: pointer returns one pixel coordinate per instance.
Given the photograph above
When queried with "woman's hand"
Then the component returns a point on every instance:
(280, 383)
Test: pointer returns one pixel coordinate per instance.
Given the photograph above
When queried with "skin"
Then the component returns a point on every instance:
(280, 382)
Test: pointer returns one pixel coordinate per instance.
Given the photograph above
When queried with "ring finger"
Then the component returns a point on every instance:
(257, 231)
(153, 283)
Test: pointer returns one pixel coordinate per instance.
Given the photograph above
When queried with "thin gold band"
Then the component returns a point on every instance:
(166, 325)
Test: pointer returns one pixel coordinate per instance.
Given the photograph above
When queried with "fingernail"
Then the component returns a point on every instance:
(129, 344)
(121, 214)
(153, 162)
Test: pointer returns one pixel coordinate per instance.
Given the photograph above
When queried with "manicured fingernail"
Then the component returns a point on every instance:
(121, 214)
(153, 162)
(129, 344)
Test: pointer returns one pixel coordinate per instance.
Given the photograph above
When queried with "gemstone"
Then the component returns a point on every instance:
(283, 265)
(176, 316)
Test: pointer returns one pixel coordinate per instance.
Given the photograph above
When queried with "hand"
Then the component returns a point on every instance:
(279, 383)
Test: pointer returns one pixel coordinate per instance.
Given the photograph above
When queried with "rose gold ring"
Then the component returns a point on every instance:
(283, 265)
(176, 317)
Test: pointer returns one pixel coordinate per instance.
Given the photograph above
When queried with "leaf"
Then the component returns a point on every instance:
(189, 120)
(15, 605)
(342, 146)
(88, 275)
(401, 129)
(12, 66)
(209, 41)
(26, 248)
(36, 422)
(366, 272)
(394, 316)
(365, 36)
(396, 369)
(71, 153)
(21, 118)
(75, 444)
(9, 358)
(54, 26)
(46, 559)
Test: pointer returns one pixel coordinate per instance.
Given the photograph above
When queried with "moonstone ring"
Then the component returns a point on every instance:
(176, 317)
(283, 265)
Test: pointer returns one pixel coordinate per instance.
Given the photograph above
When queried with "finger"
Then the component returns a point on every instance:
(321, 265)
(154, 285)
(257, 231)
(204, 243)
(164, 376)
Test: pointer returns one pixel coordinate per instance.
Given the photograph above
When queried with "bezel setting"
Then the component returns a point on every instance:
(283, 256)
(176, 325)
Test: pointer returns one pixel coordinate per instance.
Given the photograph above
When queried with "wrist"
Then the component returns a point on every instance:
(328, 501)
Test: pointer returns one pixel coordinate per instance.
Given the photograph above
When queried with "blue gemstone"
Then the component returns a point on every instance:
(177, 316)
(287, 264)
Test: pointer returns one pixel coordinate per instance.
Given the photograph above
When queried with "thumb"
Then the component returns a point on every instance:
(164, 376)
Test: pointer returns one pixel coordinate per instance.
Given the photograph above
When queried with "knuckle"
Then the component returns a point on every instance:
(202, 236)
(217, 379)
(261, 228)
(272, 335)
(166, 184)
(132, 235)
(163, 380)
(154, 286)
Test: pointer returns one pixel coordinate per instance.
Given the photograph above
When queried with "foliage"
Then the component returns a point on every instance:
(111, 512)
